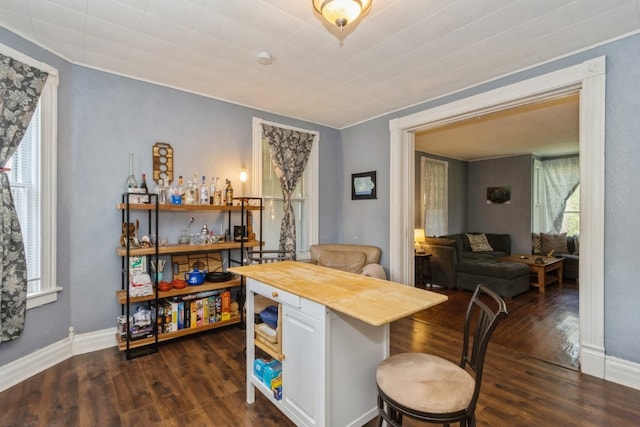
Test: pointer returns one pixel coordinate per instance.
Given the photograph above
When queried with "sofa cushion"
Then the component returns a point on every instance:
(554, 242)
(493, 268)
(576, 245)
(479, 243)
(536, 243)
(460, 243)
(438, 241)
(351, 262)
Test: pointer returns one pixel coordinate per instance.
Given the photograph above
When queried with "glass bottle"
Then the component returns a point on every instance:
(188, 193)
(176, 193)
(218, 193)
(161, 191)
(229, 194)
(204, 192)
(131, 185)
(144, 190)
(212, 191)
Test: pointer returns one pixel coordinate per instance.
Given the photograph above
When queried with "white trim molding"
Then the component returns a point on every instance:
(587, 79)
(36, 362)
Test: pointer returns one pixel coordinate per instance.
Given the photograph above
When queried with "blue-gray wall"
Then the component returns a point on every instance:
(513, 218)
(622, 200)
(128, 116)
(102, 118)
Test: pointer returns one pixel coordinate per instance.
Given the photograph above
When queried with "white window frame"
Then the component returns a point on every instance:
(49, 143)
(312, 182)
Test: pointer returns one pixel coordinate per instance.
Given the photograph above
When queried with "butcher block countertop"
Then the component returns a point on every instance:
(373, 301)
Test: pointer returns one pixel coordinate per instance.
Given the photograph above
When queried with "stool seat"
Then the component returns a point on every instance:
(425, 383)
(431, 389)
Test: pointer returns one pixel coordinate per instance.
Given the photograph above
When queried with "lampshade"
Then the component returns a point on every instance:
(341, 12)
(418, 235)
(243, 174)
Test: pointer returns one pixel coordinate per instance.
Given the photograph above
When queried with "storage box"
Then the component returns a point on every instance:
(276, 387)
(259, 366)
(270, 373)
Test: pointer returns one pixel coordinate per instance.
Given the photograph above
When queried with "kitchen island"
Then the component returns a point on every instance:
(332, 332)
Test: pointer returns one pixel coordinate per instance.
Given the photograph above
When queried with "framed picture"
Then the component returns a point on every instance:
(363, 185)
(499, 195)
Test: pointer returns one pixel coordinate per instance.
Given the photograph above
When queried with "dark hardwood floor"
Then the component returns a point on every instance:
(199, 381)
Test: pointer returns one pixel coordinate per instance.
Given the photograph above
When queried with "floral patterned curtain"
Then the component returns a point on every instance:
(20, 88)
(290, 151)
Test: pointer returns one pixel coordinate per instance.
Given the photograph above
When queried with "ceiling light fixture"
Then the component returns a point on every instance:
(341, 12)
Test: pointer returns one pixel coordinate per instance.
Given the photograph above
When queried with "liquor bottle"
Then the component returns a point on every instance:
(144, 190)
(188, 194)
(177, 193)
(212, 191)
(131, 185)
(161, 191)
(204, 192)
(229, 194)
(218, 194)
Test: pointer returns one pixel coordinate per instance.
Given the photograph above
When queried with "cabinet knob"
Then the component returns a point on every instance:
(274, 294)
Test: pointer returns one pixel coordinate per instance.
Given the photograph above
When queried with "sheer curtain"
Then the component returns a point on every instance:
(290, 151)
(561, 177)
(434, 192)
(20, 88)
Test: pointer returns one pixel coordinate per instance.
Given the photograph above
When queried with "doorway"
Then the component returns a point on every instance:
(589, 79)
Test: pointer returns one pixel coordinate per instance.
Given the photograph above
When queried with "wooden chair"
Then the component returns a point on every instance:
(431, 389)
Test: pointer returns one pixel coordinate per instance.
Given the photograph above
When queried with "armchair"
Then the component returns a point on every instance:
(359, 259)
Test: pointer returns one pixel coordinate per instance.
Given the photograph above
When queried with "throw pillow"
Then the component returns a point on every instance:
(479, 243)
(536, 243)
(554, 242)
(351, 262)
(576, 244)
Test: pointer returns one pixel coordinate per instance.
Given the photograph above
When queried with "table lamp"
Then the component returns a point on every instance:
(418, 236)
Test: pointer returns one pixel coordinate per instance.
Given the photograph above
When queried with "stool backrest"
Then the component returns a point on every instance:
(486, 309)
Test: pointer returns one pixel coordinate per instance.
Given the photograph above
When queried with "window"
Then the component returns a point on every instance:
(435, 190)
(33, 187)
(304, 200)
(571, 218)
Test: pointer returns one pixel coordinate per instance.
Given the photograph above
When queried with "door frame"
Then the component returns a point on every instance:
(587, 78)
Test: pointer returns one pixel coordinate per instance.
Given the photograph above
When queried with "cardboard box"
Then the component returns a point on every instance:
(276, 387)
(226, 305)
(259, 366)
(271, 372)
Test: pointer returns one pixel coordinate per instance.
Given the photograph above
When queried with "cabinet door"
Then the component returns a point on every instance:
(303, 367)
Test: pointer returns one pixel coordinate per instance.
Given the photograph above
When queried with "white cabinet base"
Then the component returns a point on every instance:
(329, 361)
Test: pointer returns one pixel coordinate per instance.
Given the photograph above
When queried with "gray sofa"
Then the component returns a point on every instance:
(455, 265)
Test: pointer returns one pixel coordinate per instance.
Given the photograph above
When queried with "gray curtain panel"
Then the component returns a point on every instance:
(561, 177)
(290, 151)
(20, 88)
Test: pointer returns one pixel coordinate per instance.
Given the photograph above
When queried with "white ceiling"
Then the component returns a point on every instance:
(402, 53)
(548, 128)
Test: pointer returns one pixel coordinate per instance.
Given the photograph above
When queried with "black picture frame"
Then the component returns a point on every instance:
(363, 186)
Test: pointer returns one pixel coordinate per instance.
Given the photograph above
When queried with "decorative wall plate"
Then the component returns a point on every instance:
(162, 162)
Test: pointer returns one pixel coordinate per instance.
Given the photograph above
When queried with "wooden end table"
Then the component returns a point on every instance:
(422, 268)
(540, 270)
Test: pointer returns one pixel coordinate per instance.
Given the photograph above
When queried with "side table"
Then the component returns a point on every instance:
(422, 269)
